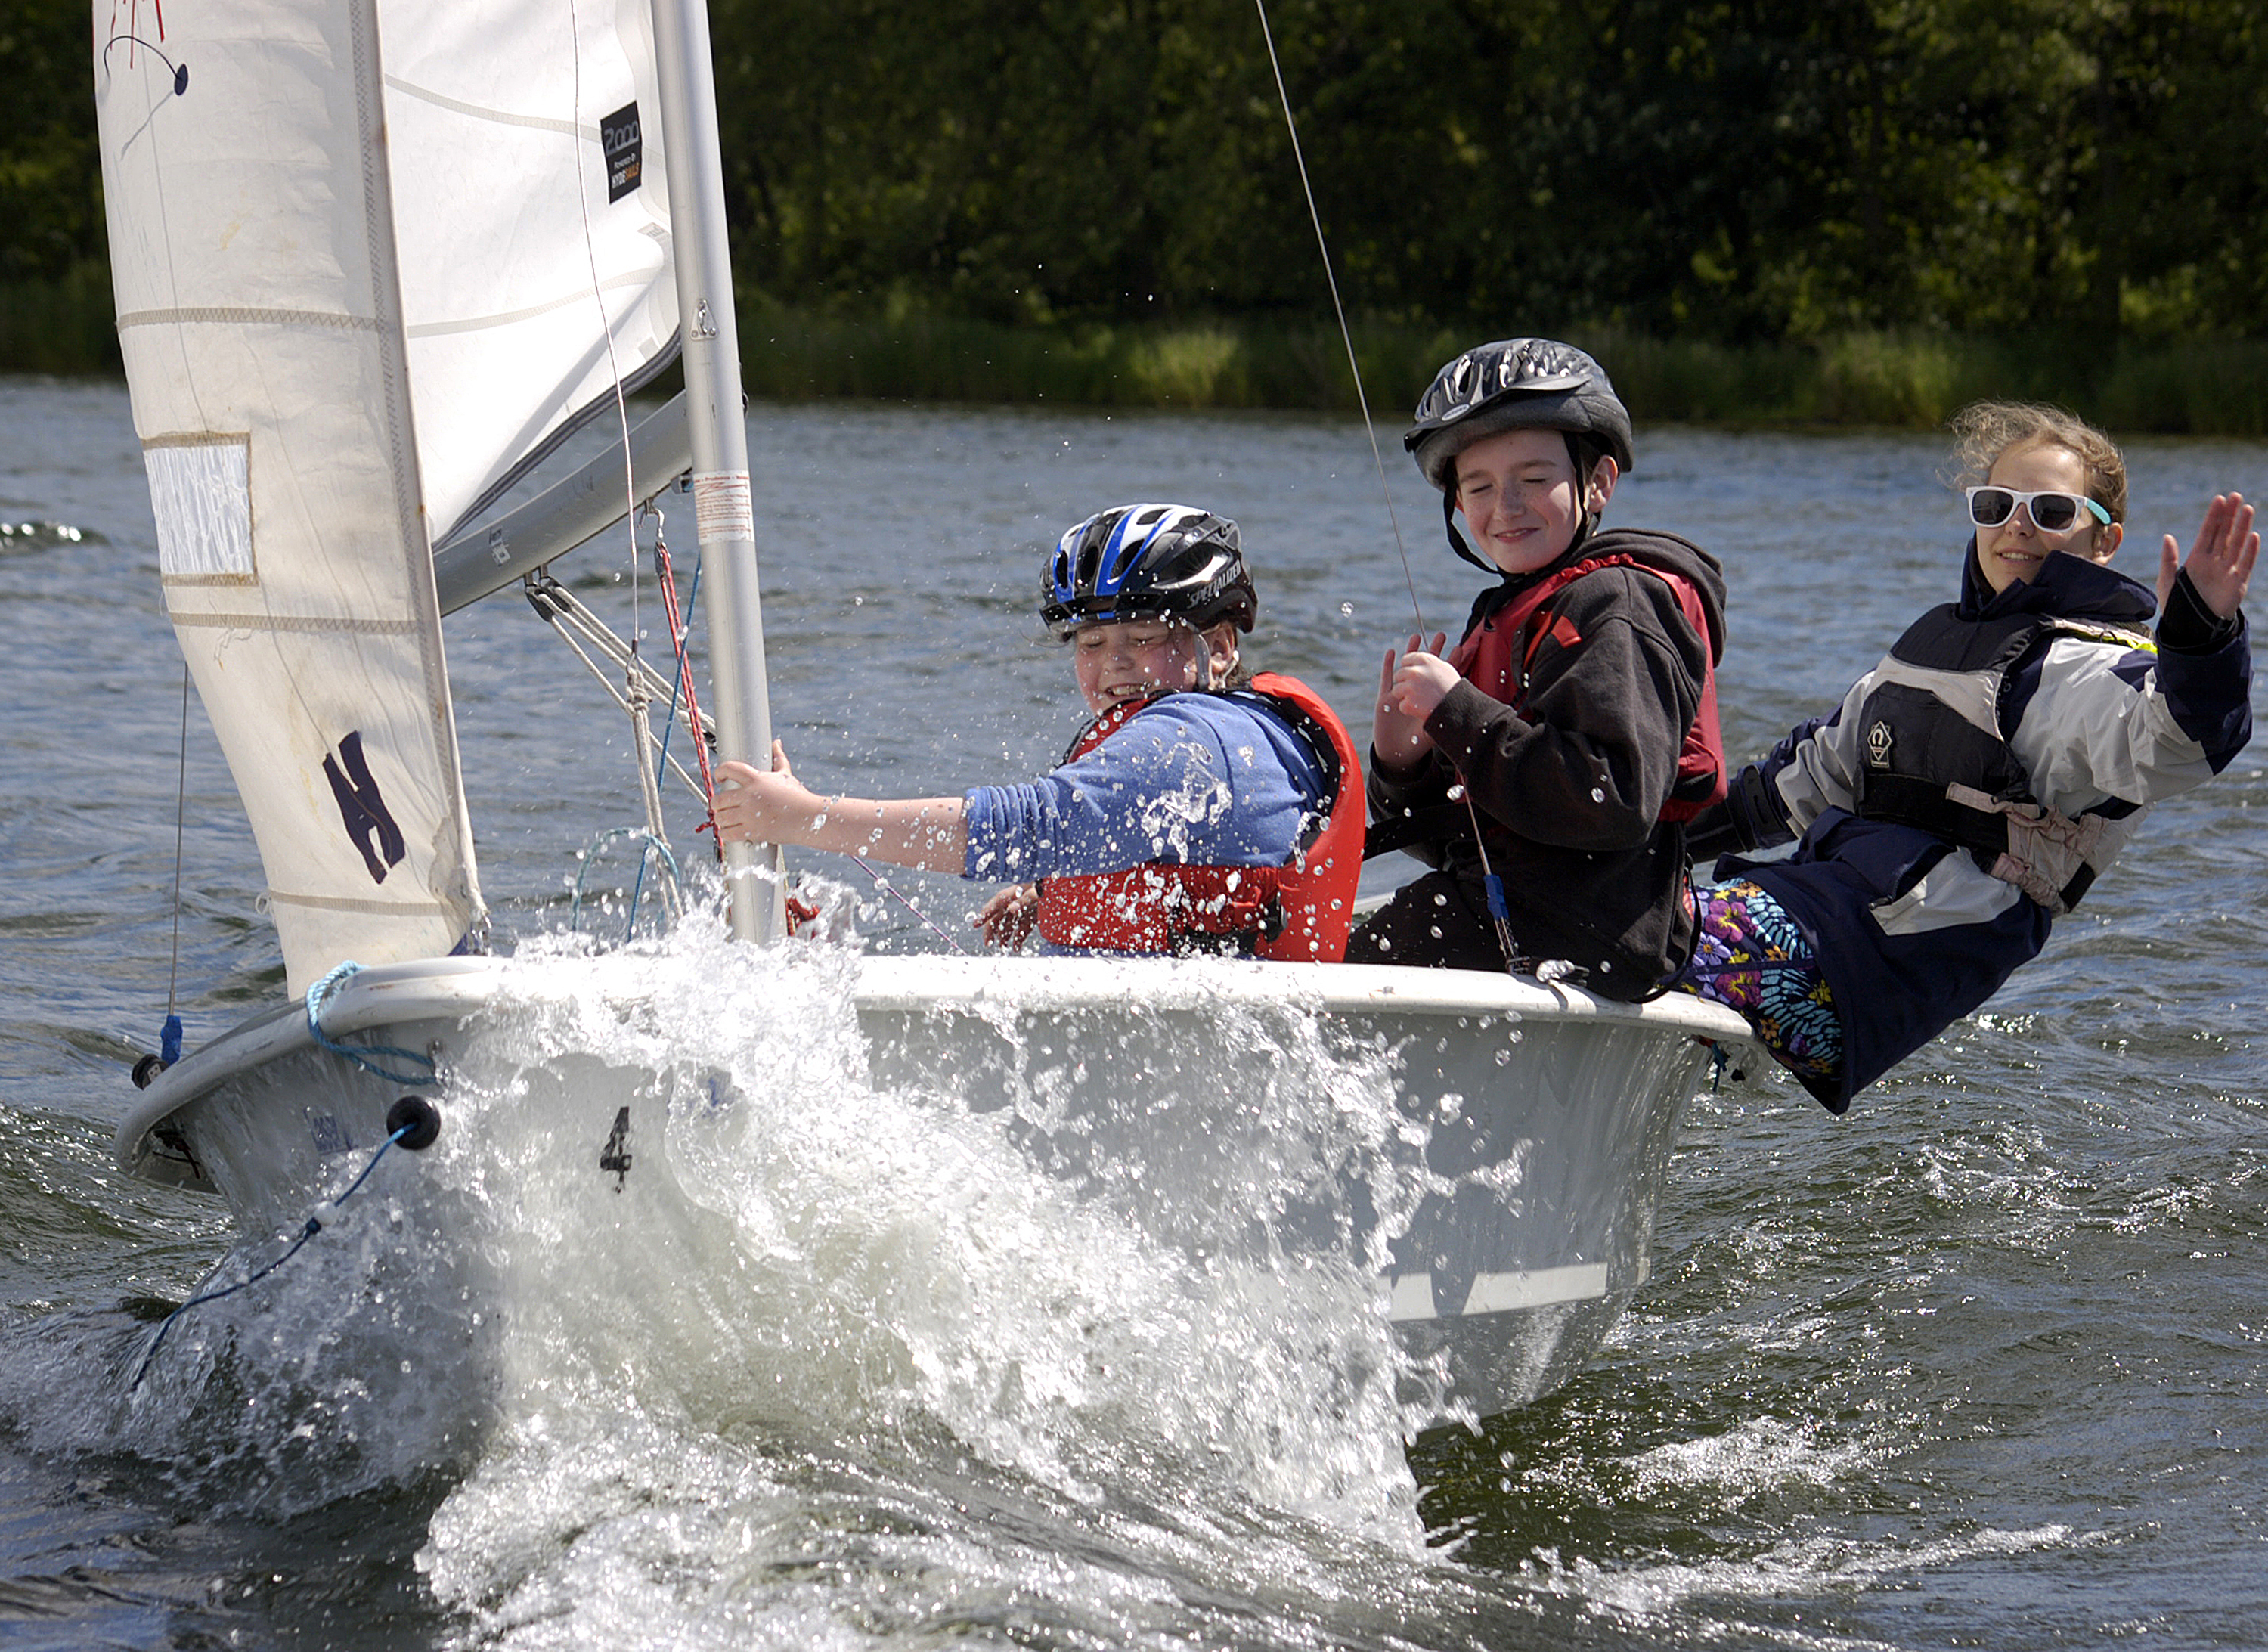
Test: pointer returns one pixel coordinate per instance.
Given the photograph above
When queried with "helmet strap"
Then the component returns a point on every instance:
(1586, 459)
(1456, 540)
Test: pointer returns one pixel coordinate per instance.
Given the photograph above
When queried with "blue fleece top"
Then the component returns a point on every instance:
(1194, 779)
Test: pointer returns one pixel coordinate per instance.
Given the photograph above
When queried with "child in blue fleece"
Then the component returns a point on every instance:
(1199, 811)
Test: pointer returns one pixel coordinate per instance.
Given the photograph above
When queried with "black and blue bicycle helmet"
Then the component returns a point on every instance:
(1148, 561)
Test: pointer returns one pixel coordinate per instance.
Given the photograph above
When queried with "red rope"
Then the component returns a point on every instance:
(668, 580)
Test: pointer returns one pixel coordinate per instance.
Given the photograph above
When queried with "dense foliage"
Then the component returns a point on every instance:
(1737, 171)
(50, 176)
(1739, 168)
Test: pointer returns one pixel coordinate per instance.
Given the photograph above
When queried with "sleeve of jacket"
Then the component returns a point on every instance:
(1391, 799)
(1812, 770)
(2205, 671)
(1193, 779)
(2110, 723)
(1612, 692)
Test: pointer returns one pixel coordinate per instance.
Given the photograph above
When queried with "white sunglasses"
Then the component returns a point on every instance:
(2051, 512)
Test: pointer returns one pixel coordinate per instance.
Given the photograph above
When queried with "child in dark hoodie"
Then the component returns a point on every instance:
(1560, 745)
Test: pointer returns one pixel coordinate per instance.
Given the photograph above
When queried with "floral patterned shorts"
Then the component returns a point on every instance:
(1749, 956)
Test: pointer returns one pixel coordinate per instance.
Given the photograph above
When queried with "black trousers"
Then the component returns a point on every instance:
(1439, 921)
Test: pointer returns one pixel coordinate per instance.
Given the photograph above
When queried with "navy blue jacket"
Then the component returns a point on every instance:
(1913, 932)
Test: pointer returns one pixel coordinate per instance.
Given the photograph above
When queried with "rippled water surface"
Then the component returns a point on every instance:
(1980, 1364)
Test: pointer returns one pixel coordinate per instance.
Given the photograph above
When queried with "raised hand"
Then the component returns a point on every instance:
(1397, 729)
(2220, 559)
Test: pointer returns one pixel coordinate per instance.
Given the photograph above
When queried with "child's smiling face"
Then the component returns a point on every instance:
(1520, 499)
(1133, 660)
(2014, 552)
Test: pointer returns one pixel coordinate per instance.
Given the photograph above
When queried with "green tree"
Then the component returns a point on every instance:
(50, 171)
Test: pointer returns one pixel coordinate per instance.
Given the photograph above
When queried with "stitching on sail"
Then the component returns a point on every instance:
(295, 622)
(384, 909)
(227, 315)
(198, 438)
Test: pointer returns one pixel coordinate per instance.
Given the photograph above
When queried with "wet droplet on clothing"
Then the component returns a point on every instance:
(1598, 794)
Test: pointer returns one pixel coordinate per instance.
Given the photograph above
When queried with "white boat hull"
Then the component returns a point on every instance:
(1507, 1211)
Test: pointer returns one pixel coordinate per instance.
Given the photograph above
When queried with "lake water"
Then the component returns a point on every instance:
(1980, 1364)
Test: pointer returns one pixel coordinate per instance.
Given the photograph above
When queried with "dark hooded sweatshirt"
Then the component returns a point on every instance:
(1571, 785)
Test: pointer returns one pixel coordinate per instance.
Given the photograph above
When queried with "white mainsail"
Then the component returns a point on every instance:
(531, 212)
(355, 291)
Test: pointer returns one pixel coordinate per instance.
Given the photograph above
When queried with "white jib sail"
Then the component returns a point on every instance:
(253, 254)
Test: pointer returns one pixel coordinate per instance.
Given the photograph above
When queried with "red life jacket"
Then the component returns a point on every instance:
(1301, 911)
(1496, 654)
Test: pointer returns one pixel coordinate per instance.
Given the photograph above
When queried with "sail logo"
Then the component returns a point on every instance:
(623, 141)
(370, 825)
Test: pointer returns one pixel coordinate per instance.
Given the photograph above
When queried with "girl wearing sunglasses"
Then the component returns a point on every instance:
(1969, 789)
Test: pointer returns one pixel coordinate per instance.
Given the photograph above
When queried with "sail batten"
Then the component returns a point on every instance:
(222, 316)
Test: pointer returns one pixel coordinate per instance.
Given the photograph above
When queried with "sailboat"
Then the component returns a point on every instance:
(375, 260)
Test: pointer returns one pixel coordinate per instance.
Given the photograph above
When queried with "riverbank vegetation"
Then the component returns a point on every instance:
(1757, 210)
(1901, 379)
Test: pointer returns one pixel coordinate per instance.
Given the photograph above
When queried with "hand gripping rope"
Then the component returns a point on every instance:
(679, 630)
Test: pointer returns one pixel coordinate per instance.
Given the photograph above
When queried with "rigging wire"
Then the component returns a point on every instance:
(1346, 334)
(635, 699)
(665, 579)
(1499, 915)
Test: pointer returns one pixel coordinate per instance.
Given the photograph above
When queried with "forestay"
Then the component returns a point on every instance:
(355, 294)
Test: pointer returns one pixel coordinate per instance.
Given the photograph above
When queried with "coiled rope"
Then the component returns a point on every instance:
(320, 995)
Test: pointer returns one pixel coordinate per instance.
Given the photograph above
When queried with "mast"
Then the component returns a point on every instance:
(724, 513)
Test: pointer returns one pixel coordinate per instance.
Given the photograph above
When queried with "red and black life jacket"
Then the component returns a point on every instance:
(1301, 911)
(1496, 656)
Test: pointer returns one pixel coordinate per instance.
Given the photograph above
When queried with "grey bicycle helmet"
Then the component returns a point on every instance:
(1516, 383)
(1148, 561)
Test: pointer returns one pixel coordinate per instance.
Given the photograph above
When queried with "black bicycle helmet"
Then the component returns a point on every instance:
(1516, 383)
(1148, 561)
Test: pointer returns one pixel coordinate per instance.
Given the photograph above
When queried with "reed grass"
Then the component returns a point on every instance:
(1891, 379)
(1910, 380)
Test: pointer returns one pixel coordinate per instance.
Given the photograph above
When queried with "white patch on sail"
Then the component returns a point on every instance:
(200, 491)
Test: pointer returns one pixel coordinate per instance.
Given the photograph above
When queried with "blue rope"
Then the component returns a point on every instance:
(314, 1225)
(319, 993)
(653, 844)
